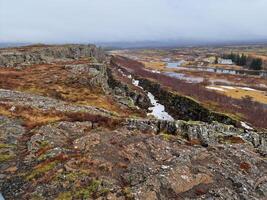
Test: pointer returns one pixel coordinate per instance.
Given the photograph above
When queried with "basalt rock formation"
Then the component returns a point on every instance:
(44, 54)
(74, 127)
(184, 108)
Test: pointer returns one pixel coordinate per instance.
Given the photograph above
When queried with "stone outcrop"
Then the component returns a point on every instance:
(43, 54)
(184, 108)
(15, 99)
(74, 160)
(121, 89)
(91, 75)
(202, 133)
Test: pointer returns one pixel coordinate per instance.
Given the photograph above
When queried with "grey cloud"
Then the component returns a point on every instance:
(131, 20)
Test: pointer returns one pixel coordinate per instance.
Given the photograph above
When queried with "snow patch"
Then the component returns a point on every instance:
(158, 110)
(228, 87)
(244, 125)
(247, 88)
(215, 88)
(136, 83)
(121, 72)
(155, 71)
(1, 196)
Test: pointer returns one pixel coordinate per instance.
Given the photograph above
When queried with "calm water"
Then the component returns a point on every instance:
(217, 70)
(174, 64)
(181, 76)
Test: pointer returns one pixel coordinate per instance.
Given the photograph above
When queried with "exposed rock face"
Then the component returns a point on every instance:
(76, 161)
(38, 55)
(120, 89)
(93, 76)
(202, 133)
(184, 108)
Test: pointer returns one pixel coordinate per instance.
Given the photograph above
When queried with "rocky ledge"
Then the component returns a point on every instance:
(44, 54)
(136, 160)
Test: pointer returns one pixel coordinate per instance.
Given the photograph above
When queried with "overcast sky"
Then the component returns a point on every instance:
(131, 20)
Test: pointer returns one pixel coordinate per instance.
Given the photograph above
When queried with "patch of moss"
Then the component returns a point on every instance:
(36, 197)
(73, 176)
(104, 191)
(6, 157)
(64, 196)
(44, 144)
(166, 137)
(43, 169)
(87, 192)
(3, 145)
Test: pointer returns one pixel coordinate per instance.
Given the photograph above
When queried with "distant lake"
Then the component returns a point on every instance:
(181, 76)
(219, 70)
(175, 64)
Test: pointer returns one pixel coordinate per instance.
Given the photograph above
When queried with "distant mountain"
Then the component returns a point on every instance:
(176, 43)
(12, 44)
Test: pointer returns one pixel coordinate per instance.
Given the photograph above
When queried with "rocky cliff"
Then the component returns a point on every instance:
(182, 107)
(43, 54)
(75, 127)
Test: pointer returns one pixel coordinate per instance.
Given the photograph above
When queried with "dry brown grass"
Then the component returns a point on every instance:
(155, 65)
(33, 117)
(258, 96)
(52, 81)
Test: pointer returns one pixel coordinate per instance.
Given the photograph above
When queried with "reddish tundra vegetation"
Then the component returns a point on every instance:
(245, 109)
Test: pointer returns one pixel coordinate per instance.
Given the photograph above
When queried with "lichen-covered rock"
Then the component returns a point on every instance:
(137, 161)
(123, 91)
(44, 54)
(16, 98)
(202, 133)
(11, 130)
(93, 75)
